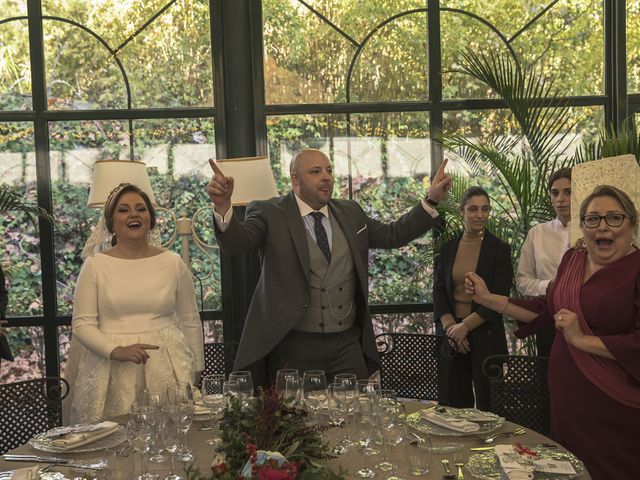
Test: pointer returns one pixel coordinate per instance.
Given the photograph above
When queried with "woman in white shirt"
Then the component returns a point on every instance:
(135, 318)
(543, 249)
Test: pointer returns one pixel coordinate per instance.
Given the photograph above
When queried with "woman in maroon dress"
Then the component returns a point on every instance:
(594, 370)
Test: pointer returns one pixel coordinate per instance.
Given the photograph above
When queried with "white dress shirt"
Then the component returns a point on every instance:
(540, 257)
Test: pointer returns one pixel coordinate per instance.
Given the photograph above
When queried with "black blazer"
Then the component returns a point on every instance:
(495, 268)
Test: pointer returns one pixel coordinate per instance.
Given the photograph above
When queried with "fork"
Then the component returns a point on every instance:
(491, 438)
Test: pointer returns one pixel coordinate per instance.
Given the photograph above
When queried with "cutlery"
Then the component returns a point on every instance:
(491, 438)
(54, 460)
(447, 470)
(485, 449)
(460, 474)
(416, 440)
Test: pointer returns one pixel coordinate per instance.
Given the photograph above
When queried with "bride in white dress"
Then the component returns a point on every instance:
(135, 318)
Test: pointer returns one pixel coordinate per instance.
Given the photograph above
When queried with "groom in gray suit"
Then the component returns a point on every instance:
(309, 309)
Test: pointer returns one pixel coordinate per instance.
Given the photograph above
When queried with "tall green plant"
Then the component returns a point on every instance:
(520, 163)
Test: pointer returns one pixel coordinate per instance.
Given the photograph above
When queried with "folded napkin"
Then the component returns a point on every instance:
(450, 422)
(478, 416)
(83, 436)
(201, 409)
(29, 473)
(515, 466)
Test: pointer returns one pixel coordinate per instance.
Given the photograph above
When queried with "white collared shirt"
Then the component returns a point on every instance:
(540, 257)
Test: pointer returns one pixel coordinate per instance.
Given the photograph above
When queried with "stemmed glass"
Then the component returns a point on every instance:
(245, 385)
(365, 426)
(212, 398)
(155, 401)
(292, 389)
(181, 407)
(229, 389)
(369, 397)
(393, 431)
(338, 411)
(141, 432)
(314, 390)
(283, 375)
(351, 399)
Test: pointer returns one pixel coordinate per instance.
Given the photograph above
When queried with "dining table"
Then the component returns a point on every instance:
(443, 447)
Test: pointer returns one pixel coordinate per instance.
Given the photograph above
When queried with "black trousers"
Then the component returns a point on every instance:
(332, 352)
(468, 386)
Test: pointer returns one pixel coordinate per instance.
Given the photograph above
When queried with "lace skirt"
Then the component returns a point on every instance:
(101, 388)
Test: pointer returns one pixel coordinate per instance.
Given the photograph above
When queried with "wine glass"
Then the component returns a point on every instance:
(281, 378)
(141, 432)
(154, 400)
(245, 385)
(351, 399)
(212, 398)
(338, 411)
(369, 397)
(365, 426)
(292, 389)
(181, 407)
(230, 389)
(314, 390)
(393, 428)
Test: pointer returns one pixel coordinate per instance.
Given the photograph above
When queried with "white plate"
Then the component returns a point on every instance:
(486, 466)
(494, 422)
(42, 441)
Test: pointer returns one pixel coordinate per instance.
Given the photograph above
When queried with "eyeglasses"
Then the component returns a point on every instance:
(611, 219)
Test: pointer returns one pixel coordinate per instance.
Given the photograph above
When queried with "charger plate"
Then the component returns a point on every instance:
(419, 423)
(42, 441)
(486, 466)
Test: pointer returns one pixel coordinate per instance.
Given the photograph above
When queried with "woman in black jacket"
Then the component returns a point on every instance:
(477, 331)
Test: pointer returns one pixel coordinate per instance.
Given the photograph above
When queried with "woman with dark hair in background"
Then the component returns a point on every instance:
(594, 303)
(477, 331)
(135, 318)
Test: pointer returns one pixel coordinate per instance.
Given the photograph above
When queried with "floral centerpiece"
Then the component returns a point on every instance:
(268, 439)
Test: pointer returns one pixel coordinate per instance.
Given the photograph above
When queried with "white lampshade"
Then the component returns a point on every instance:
(108, 174)
(253, 179)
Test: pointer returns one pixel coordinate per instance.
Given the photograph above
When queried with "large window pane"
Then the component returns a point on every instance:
(307, 58)
(27, 346)
(566, 42)
(167, 63)
(176, 154)
(387, 158)
(18, 236)
(15, 68)
(633, 46)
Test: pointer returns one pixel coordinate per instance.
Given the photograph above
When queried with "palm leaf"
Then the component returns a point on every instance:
(14, 202)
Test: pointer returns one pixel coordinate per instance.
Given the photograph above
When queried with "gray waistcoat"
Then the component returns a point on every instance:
(333, 287)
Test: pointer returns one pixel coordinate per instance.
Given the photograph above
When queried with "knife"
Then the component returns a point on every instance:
(486, 449)
(55, 460)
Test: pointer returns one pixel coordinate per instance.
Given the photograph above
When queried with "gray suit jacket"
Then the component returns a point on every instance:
(276, 229)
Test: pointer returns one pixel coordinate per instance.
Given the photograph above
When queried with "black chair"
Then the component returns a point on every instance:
(218, 358)
(28, 408)
(414, 365)
(519, 389)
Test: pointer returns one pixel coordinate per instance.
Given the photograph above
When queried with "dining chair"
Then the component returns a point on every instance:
(30, 407)
(519, 389)
(218, 358)
(416, 366)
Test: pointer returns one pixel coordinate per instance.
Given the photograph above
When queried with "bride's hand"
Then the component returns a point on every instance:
(136, 353)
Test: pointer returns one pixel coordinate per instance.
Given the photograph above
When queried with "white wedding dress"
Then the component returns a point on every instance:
(119, 302)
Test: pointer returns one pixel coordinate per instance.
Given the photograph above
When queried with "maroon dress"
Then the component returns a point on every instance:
(602, 431)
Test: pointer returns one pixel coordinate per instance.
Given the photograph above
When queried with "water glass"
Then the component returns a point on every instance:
(419, 456)
(245, 385)
(118, 464)
(351, 398)
(181, 408)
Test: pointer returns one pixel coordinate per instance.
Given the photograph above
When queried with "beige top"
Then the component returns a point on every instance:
(466, 261)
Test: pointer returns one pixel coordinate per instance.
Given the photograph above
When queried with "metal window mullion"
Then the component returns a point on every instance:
(435, 81)
(615, 61)
(43, 179)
